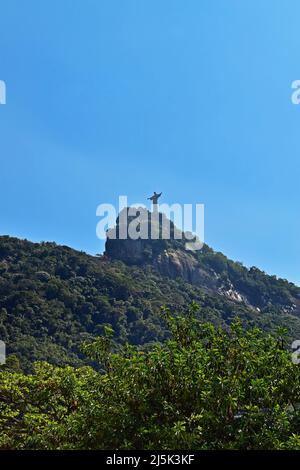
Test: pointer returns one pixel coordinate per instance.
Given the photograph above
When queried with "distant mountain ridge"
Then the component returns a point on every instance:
(205, 268)
(53, 297)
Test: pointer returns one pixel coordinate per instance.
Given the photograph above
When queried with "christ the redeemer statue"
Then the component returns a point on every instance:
(155, 198)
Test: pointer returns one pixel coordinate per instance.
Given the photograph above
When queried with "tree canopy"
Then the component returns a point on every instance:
(204, 388)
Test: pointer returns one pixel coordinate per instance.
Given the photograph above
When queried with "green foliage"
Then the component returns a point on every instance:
(52, 298)
(260, 288)
(205, 388)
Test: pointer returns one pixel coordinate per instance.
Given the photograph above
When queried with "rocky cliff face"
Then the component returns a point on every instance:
(205, 268)
(168, 255)
(177, 263)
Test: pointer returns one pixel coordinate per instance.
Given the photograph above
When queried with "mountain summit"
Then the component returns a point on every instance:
(53, 297)
(205, 268)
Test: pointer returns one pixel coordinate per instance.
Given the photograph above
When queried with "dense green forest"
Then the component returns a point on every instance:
(52, 298)
(204, 388)
(97, 358)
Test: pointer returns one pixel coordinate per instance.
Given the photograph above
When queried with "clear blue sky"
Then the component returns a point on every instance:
(191, 98)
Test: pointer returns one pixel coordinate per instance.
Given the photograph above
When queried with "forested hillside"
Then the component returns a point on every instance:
(53, 297)
(202, 389)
